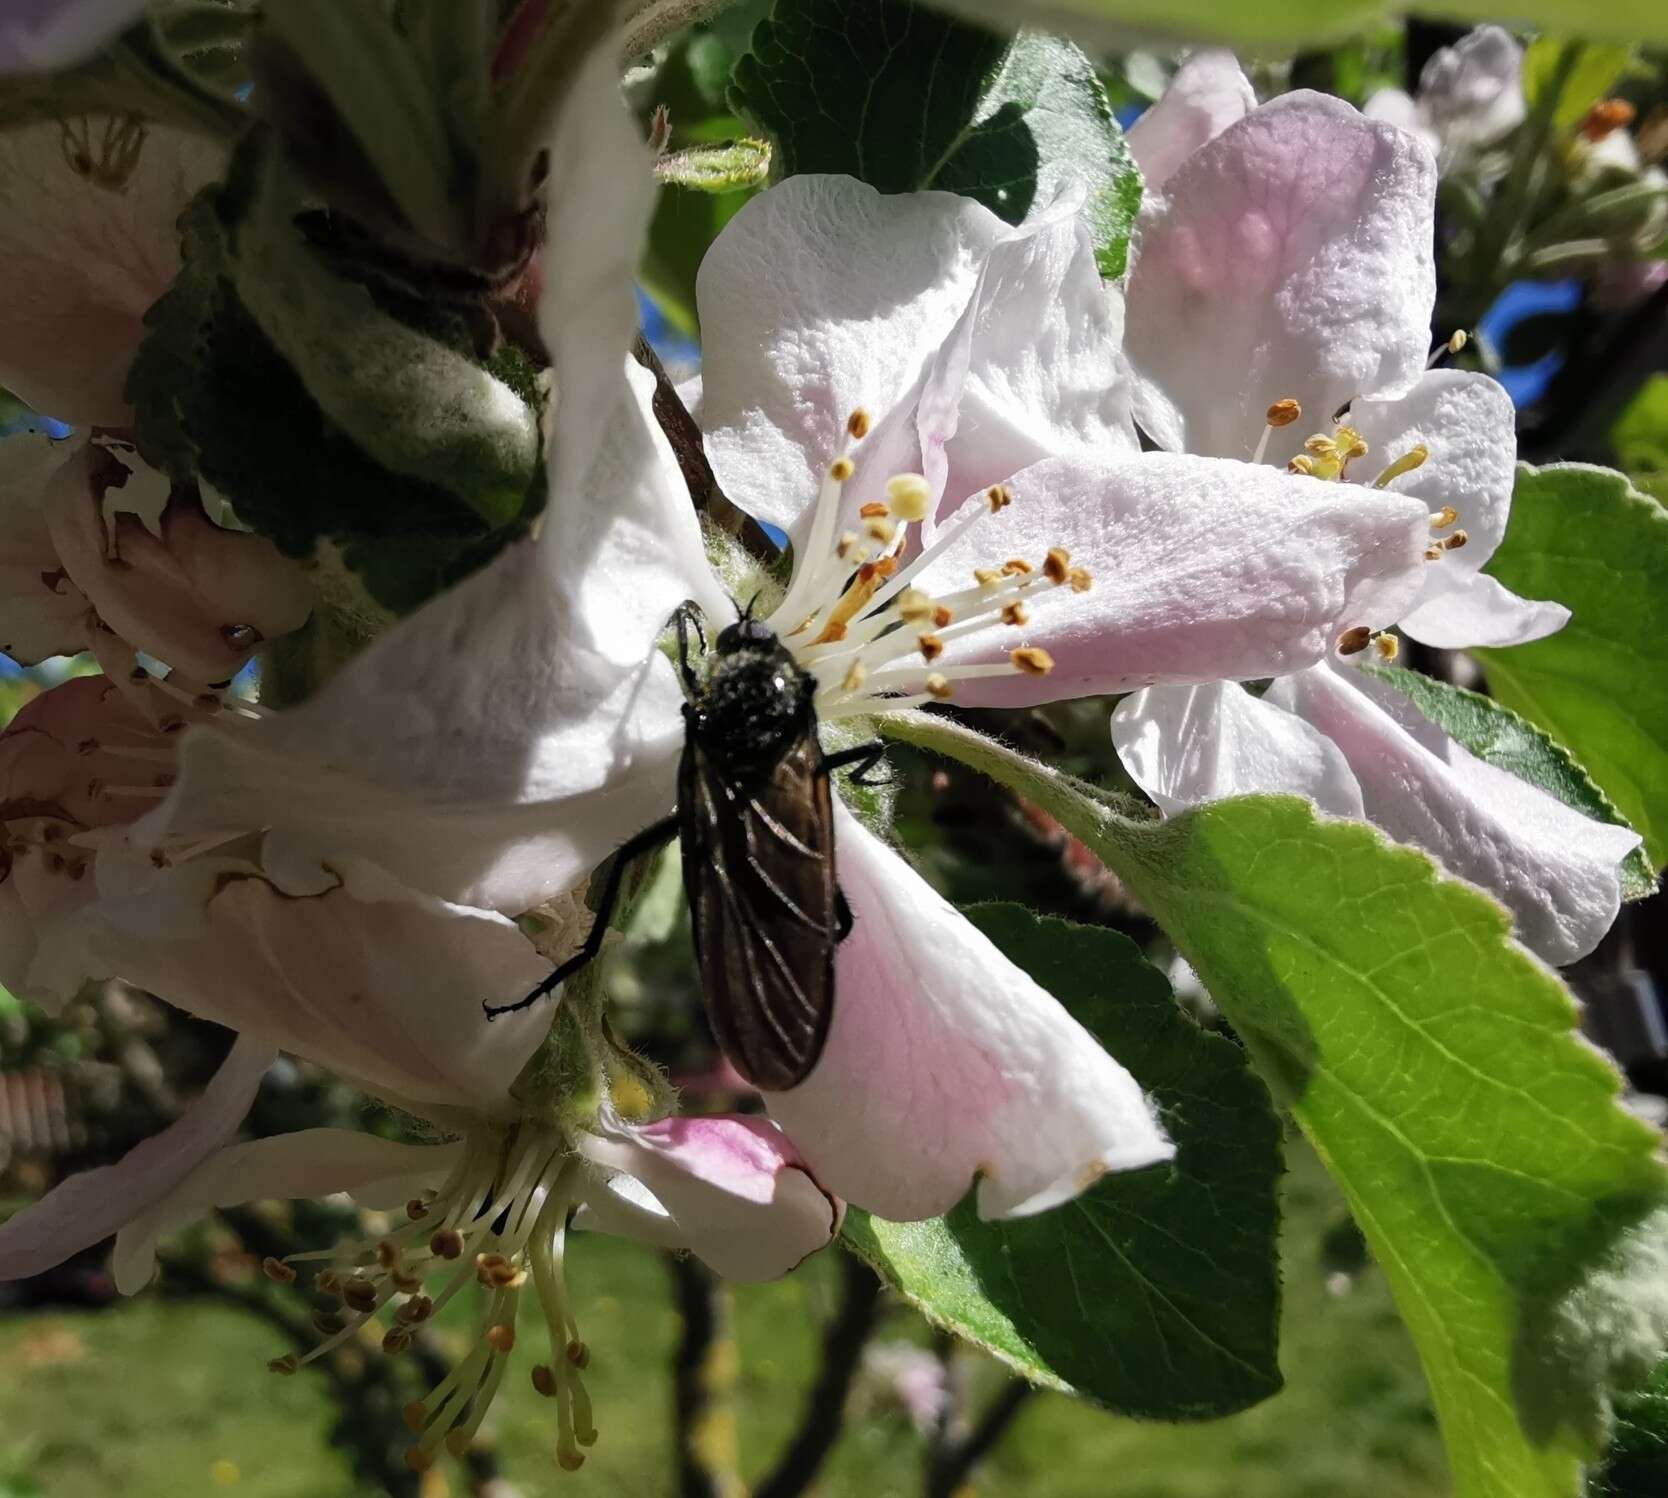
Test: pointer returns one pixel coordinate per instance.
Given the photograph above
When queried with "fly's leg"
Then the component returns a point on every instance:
(650, 837)
(866, 757)
(686, 617)
(842, 915)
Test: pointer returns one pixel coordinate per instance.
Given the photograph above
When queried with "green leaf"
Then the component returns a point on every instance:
(1280, 25)
(1640, 435)
(1509, 742)
(905, 99)
(1157, 1292)
(1637, 1463)
(1437, 1069)
(1595, 72)
(1585, 538)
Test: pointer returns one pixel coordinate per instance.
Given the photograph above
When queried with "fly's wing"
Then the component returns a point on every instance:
(758, 868)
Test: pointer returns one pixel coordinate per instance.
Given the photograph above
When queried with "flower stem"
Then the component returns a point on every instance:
(704, 1371)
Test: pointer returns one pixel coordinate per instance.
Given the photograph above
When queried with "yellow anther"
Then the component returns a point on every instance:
(847, 543)
(501, 1338)
(1016, 567)
(840, 470)
(1444, 517)
(416, 1209)
(1457, 340)
(1301, 464)
(1000, 497)
(328, 1282)
(910, 496)
(447, 1244)
(360, 1295)
(285, 1365)
(939, 687)
(1081, 580)
(1413, 458)
(874, 510)
(832, 635)
(396, 1341)
(931, 648)
(1350, 444)
(914, 606)
(388, 1254)
(857, 424)
(987, 577)
(1284, 412)
(277, 1271)
(1320, 446)
(416, 1310)
(1056, 565)
(942, 617)
(1433, 553)
(1455, 541)
(1015, 614)
(406, 1284)
(882, 531)
(1354, 641)
(327, 1323)
(854, 678)
(1388, 647)
(1032, 661)
(579, 1355)
(544, 1380)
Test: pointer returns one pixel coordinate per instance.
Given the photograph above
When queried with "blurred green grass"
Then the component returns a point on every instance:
(161, 1398)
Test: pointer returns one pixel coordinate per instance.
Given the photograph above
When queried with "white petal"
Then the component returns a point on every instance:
(499, 743)
(1203, 569)
(91, 1206)
(1467, 424)
(41, 612)
(820, 296)
(36, 35)
(1292, 258)
(1475, 611)
(1031, 370)
(1554, 869)
(1208, 94)
(946, 1064)
(730, 1189)
(1472, 92)
(307, 1164)
(369, 978)
(1187, 745)
(85, 262)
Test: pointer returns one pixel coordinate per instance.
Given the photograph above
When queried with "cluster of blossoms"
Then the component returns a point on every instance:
(942, 411)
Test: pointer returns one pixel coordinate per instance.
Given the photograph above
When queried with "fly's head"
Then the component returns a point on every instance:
(753, 702)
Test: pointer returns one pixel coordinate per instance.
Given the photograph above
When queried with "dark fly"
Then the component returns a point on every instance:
(755, 819)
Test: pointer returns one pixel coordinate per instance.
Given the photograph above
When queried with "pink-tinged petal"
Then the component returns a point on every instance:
(1031, 369)
(36, 35)
(85, 261)
(498, 744)
(310, 1163)
(42, 613)
(368, 978)
(1187, 745)
(89, 1207)
(946, 1065)
(1208, 94)
(820, 296)
(732, 1190)
(1554, 869)
(1475, 610)
(1202, 569)
(1291, 258)
(195, 595)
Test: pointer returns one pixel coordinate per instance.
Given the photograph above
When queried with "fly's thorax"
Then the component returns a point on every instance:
(753, 703)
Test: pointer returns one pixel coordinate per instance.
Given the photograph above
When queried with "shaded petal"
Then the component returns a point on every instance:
(1187, 745)
(42, 613)
(1292, 257)
(819, 296)
(947, 1065)
(86, 261)
(1554, 869)
(1031, 370)
(1472, 92)
(36, 35)
(1203, 569)
(1392, 106)
(368, 978)
(89, 1207)
(195, 594)
(732, 1190)
(1476, 610)
(310, 1163)
(1208, 94)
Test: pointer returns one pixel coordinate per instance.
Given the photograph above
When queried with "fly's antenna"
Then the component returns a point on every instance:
(747, 613)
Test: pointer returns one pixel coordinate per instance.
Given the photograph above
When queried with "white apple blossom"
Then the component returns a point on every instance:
(1470, 95)
(1284, 283)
